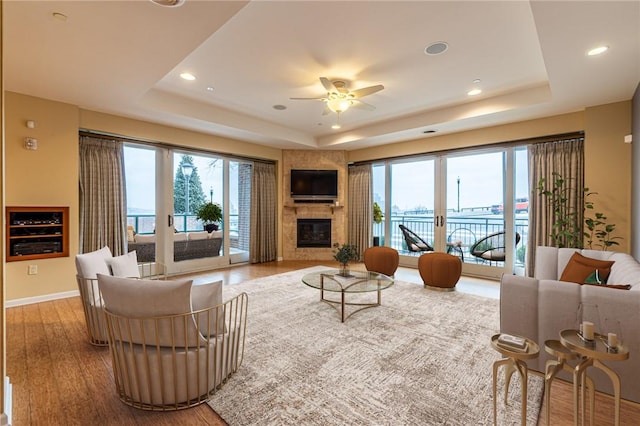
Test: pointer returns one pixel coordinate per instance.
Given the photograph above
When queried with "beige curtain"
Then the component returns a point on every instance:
(263, 213)
(566, 157)
(360, 207)
(103, 218)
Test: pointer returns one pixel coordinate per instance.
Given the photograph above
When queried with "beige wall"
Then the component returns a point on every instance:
(45, 177)
(49, 175)
(608, 163)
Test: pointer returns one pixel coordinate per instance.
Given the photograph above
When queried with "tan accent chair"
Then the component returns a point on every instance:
(440, 271)
(167, 355)
(384, 260)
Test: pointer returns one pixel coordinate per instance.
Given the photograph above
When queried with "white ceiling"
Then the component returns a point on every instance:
(125, 57)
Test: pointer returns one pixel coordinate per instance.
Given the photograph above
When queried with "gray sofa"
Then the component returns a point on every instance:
(182, 250)
(539, 308)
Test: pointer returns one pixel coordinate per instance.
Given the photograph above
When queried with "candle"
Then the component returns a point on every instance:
(612, 340)
(587, 330)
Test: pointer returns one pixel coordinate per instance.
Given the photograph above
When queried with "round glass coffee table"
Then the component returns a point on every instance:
(357, 282)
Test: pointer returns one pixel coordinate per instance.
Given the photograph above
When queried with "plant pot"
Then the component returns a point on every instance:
(344, 270)
(210, 227)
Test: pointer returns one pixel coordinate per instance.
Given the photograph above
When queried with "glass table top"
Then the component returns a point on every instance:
(357, 282)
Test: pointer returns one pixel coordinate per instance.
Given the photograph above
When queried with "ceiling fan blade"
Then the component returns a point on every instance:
(326, 110)
(328, 84)
(307, 99)
(359, 93)
(357, 103)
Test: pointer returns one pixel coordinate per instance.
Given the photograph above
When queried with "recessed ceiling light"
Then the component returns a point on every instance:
(598, 50)
(436, 48)
(209, 89)
(187, 76)
(474, 92)
(279, 107)
(168, 3)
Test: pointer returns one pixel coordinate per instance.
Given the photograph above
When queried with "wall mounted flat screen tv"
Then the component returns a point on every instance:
(314, 184)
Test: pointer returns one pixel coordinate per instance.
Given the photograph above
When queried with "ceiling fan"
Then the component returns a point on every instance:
(339, 99)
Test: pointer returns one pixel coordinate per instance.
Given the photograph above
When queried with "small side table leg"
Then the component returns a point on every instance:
(578, 372)
(552, 368)
(615, 380)
(523, 370)
(496, 366)
(508, 372)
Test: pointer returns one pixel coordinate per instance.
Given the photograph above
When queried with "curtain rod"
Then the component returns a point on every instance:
(126, 139)
(516, 142)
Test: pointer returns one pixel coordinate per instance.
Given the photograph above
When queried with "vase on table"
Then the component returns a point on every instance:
(344, 270)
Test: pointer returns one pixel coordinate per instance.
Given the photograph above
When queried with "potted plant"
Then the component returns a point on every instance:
(344, 254)
(210, 214)
(377, 218)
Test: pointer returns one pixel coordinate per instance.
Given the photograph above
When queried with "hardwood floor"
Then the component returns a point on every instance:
(58, 378)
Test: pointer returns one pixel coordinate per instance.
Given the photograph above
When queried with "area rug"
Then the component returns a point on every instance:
(422, 358)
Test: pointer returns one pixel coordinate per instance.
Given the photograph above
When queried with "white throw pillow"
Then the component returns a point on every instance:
(151, 238)
(125, 265)
(216, 234)
(205, 296)
(179, 236)
(90, 264)
(198, 235)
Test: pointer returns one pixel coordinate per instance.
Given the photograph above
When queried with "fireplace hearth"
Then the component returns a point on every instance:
(314, 233)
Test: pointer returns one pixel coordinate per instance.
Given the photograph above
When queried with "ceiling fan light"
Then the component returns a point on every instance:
(338, 105)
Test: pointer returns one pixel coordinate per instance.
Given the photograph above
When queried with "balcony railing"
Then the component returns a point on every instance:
(462, 232)
(146, 223)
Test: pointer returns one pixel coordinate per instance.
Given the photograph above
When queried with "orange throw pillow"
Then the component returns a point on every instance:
(579, 268)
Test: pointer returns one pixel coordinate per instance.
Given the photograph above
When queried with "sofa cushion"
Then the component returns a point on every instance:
(151, 238)
(205, 296)
(179, 236)
(580, 267)
(125, 265)
(90, 264)
(203, 235)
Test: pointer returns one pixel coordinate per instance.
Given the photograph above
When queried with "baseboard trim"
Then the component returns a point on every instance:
(38, 299)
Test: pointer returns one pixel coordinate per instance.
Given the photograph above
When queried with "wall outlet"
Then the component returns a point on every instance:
(33, 270)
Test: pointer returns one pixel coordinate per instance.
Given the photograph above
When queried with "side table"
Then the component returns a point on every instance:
(592, 355)
(513, 361)
(554, 366)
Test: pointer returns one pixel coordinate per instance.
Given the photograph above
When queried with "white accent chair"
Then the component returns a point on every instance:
(88, 266)
(172, 346)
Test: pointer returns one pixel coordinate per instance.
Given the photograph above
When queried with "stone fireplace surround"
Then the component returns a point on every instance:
(291, 212)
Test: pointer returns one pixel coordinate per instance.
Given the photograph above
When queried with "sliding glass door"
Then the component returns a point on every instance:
(457, 203)
(187, 210)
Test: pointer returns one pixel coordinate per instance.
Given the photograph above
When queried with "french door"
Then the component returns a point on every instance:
(457, 203)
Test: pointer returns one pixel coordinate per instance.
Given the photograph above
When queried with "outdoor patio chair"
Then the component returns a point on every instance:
(414, 242)
(492, 247)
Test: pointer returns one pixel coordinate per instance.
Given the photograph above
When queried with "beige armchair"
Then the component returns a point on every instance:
(166, 354)
(88, 266)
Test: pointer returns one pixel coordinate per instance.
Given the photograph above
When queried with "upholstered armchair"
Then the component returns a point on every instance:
(88, 266)
(172, 345)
